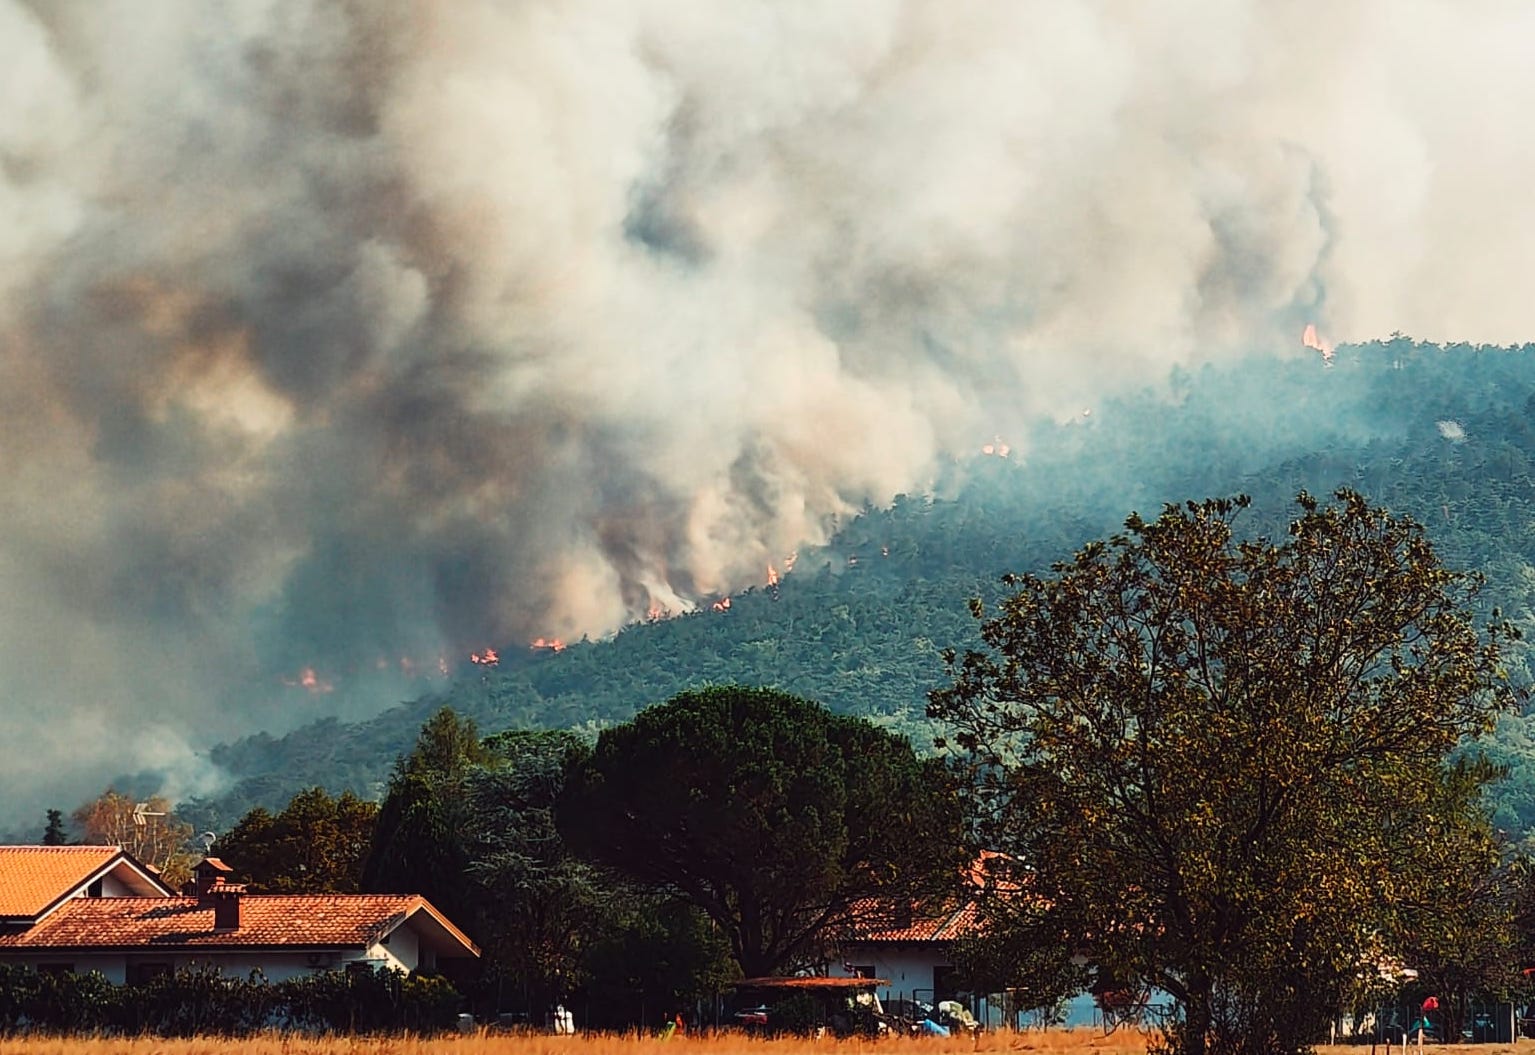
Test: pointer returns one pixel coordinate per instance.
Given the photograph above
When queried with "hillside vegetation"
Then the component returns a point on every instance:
(1441, 433)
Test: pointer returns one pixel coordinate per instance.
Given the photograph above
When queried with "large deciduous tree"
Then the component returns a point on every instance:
(471, 825)
(537, 903)
(1219, 767)
(153, 834)
(315, 845)
(770, 813)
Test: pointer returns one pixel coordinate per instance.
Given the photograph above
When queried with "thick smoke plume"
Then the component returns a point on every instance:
(344, 335)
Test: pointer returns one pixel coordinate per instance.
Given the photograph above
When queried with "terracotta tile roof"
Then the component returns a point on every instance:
(34, 877)
(799, 981)
(266, 920)
(873, 921)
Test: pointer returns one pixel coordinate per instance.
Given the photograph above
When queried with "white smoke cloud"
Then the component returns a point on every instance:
(335, 333)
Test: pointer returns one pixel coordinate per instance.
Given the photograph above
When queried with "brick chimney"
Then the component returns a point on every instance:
(207, 873)
(226, 905)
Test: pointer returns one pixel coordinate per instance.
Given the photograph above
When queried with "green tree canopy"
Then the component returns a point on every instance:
(1219, 767)
(536, 905)
(420, 841)
(768, 812)
(315, 845)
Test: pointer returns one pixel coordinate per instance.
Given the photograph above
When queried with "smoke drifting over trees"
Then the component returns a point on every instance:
(339, 334)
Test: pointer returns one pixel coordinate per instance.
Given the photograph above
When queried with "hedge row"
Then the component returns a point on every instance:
(201, 1000)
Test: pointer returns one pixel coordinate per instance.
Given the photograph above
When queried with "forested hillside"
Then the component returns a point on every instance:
(1442, 433)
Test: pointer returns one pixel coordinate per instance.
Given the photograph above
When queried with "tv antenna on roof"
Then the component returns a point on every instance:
(141, 813)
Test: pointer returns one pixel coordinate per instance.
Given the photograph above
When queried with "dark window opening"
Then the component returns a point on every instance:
(861, 970)
(94, 890)
(944, 987)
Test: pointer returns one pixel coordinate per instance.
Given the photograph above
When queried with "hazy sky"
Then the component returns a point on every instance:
(339, 333)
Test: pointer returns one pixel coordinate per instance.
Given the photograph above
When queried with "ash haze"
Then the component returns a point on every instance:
(336, 333)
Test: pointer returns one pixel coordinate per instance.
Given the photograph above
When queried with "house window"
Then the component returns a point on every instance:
(94, 890)
(140, 973)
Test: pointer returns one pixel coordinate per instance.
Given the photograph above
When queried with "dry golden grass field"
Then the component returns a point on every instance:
(1078, 1042)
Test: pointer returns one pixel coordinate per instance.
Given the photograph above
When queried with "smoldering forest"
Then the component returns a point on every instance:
(339, 340)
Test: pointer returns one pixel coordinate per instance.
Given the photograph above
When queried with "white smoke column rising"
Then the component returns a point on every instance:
(336, 333)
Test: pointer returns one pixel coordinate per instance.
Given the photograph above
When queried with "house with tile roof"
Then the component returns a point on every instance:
(96, 909)
(911, 946)
(35, 880)
(906, 947)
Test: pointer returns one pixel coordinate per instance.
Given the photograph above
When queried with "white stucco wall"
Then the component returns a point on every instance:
(111, 886)
(909, 968)
(910, 971)
(403, 948)
(111, 966)
(276, 966)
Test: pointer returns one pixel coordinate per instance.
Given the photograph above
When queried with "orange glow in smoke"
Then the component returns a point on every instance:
(488, 658)
(772, 578)
(309, 681)
(442, 665)
(1315, 341)
(547, 644)
(655, 613)
(996, 448)
(722, 605)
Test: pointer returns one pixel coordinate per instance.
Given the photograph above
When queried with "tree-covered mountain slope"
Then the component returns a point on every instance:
(1441, 433)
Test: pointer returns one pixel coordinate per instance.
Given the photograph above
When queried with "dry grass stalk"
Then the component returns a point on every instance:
(1050, 1042)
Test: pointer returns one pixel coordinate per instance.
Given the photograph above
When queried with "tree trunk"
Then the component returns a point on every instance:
(1198, 1017)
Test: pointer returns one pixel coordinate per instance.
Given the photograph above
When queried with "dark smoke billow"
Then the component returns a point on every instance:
(343, 336)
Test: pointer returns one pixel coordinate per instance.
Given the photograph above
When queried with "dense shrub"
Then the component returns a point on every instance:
(202, 1000)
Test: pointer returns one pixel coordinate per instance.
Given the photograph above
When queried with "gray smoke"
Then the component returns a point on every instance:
(347, 335)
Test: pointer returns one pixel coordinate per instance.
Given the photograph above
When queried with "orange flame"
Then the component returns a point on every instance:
(1315, 341)
(550, 644)
(772, 578)
(488, 658)
(310, 682)
(996, 448)
(722, 605)
(655, 612)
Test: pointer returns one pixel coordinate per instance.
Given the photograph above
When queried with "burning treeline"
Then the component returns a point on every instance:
(336, 332)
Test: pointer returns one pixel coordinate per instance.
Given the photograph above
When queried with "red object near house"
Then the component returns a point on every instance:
(1431, 1004)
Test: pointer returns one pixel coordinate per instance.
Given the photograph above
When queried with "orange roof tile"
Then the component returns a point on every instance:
(266, 920)
(873, 921)
(34, 877)
(803, 981)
